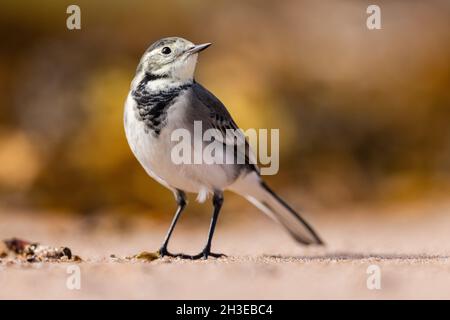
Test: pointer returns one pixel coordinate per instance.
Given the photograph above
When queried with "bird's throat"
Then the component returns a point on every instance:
(153, 96)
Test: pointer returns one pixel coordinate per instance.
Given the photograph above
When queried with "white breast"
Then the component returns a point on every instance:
(154, 153)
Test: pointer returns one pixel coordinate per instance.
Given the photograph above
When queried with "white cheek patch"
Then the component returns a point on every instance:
(165, 69)
(184, 69)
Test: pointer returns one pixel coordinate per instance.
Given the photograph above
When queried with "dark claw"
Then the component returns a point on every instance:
(202, 255)
(164, 253)
(217, 255)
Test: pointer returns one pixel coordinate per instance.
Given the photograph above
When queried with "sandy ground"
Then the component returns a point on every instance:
(410, 246)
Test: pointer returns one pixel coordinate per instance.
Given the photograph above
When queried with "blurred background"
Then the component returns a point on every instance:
(363, 115)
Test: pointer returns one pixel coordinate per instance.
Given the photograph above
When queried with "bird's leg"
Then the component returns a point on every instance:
(217, 202)
(180, 197)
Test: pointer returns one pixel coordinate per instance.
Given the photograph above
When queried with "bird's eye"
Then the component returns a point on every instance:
(166, 50)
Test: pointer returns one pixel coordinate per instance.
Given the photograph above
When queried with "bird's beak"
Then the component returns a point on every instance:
(198, 48)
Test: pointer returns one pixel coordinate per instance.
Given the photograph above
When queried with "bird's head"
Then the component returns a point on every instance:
(173, 58)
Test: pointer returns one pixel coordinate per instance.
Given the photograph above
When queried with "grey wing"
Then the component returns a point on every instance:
(219, 118)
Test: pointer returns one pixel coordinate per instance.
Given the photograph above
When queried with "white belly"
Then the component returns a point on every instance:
(154, 154)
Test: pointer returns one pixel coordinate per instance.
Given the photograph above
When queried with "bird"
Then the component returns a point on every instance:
(164, 96)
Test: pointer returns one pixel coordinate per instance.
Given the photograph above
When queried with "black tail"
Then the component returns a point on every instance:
(257, 192)
(299, 229)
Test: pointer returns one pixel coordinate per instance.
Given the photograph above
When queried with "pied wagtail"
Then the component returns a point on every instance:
(163, 97)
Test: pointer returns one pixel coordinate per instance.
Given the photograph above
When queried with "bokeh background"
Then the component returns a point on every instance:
(363, 115)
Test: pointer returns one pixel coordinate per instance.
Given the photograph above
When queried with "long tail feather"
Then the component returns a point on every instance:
(258, 193)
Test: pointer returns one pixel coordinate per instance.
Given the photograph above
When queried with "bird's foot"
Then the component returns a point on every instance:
(216, 255)
(205, 254)
(163, 252)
